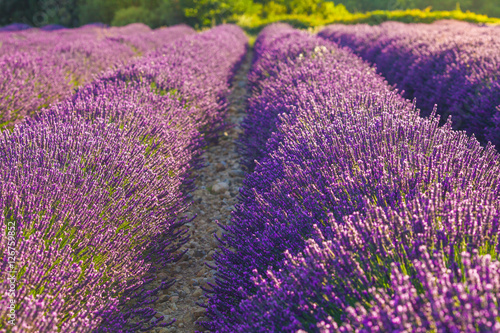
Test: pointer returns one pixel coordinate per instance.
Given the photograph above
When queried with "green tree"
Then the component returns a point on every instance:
(133, 14)
(39, 12)
(170, 12)
(102, 10)
(212, 12)
(305, 7)
(272, 8)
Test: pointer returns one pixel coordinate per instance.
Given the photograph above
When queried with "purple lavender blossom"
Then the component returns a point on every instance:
(96, 182)
(452, 64)
(52, 27)
(39, 68)
(350, 165)
(15, 27)
(463, 302)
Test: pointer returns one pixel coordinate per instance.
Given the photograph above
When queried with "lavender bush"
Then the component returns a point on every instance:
(102, 196)
(52, 27)
(435, 298)
(143, 39)
(351, 156)
(160, 71)
(462, 302)
(39, 68)
(261, 122)
(452, 64)
(335, 273)
(15, 27)
(95, 184)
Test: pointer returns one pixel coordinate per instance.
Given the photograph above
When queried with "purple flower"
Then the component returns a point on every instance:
(95, 184)
(449, 63)
(348, 181)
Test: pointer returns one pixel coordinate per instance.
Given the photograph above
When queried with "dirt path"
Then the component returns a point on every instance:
(217, 187)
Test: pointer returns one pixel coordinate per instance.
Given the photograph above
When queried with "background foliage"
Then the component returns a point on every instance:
(250, 14)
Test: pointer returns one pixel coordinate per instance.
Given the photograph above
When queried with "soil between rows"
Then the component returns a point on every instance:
(217, 187)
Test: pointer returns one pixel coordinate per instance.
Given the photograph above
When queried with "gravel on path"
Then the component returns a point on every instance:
(217, 187)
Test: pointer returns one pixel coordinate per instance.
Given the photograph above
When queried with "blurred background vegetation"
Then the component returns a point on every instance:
(250, 14)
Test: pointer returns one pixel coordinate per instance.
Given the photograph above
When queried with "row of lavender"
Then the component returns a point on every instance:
(455, 65)
(39, 68)
(92, 187)
(359, 215)
(49, 27)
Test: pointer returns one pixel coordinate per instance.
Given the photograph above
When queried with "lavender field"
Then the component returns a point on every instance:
(368, 155)
(451, 64)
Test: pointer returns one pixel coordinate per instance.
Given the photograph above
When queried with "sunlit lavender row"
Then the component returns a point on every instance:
(359, 215)
(455, 65)
(40, 67)
(139, 37)
(96, 182)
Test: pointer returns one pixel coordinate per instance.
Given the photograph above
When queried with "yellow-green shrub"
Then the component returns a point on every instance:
(330, 13)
